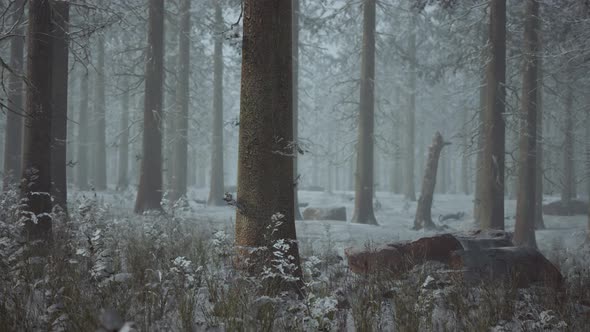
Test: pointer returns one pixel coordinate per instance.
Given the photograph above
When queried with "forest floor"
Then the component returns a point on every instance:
(175, 272)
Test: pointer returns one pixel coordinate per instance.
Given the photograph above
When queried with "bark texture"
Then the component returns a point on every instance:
(99, 164)
(363, 204)
(36, 178)
(149, 193)
(182, 101)
(423, 211)
(567, 186)
(539, 221)
(123, 176)
(524, 230)
(216, 189)
(14, 119)
(410, 190)
(59, 123)
(82, 165)
(491, 212)
(296, 8)
(265, 156)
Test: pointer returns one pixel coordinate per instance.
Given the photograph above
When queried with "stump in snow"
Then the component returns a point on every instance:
(423, 211)
(336, 213)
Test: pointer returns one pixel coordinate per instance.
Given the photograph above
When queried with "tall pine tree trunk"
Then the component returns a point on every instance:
(14, 123)
(83, 144)
(216, 184)
(491, 213)
(363, 204)
(410, 190)
(539, 221)
(265, 156)
(59, 123)
(182, 101)
(123, 172)
(465, 154)
(568, 150)
(296, 9)
(100, 155)
(524, 230)
(149, 192)
(36, 178)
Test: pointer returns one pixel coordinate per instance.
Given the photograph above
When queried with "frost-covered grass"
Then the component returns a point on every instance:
(176, 272)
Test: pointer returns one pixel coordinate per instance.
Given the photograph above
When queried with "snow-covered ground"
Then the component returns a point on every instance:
(395, 218)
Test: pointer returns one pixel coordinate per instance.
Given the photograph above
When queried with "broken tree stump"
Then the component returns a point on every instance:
(423, 211)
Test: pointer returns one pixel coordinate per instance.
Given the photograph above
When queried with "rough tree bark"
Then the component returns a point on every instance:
(14, 123)
(491, 212)
(296, 103)
(363, 203)
(265, 156)
(568, 150)
(423, 211)
(123, 176)
(182, 101)
(99, 164)
(524, 229)
(59, 122)
(410, 190)
(465, 154)
(539, 221)
(36, 177)
(149, 192)
(216, 189)
(82, 165)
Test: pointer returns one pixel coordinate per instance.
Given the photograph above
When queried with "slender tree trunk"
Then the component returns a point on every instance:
(423, 211)
(363, 204)
(296, 9)
(36, 178)
(100, 155)
(465, 174)
(149, 193)
(539, 222)
(265, 156)
(216, 183)
(182, 101)
(524, 230)
(14, 123)
(568, 150)
(491, 212)
(59, 123)
(123, 181)
(410, 190)
(82, 164)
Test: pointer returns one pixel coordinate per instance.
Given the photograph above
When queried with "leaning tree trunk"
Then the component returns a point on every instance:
(182, 102)
(568, 151)
(59, 123)
(82, 155)
(524, 229)
(100, 156)
(123, 181)
(491, 212)
(410, 190)
(149, 192)
(423, 211)
(36, 178)
(363, 204)
(14, 123)
(296, 103)
(216, 184)
(265, 155)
